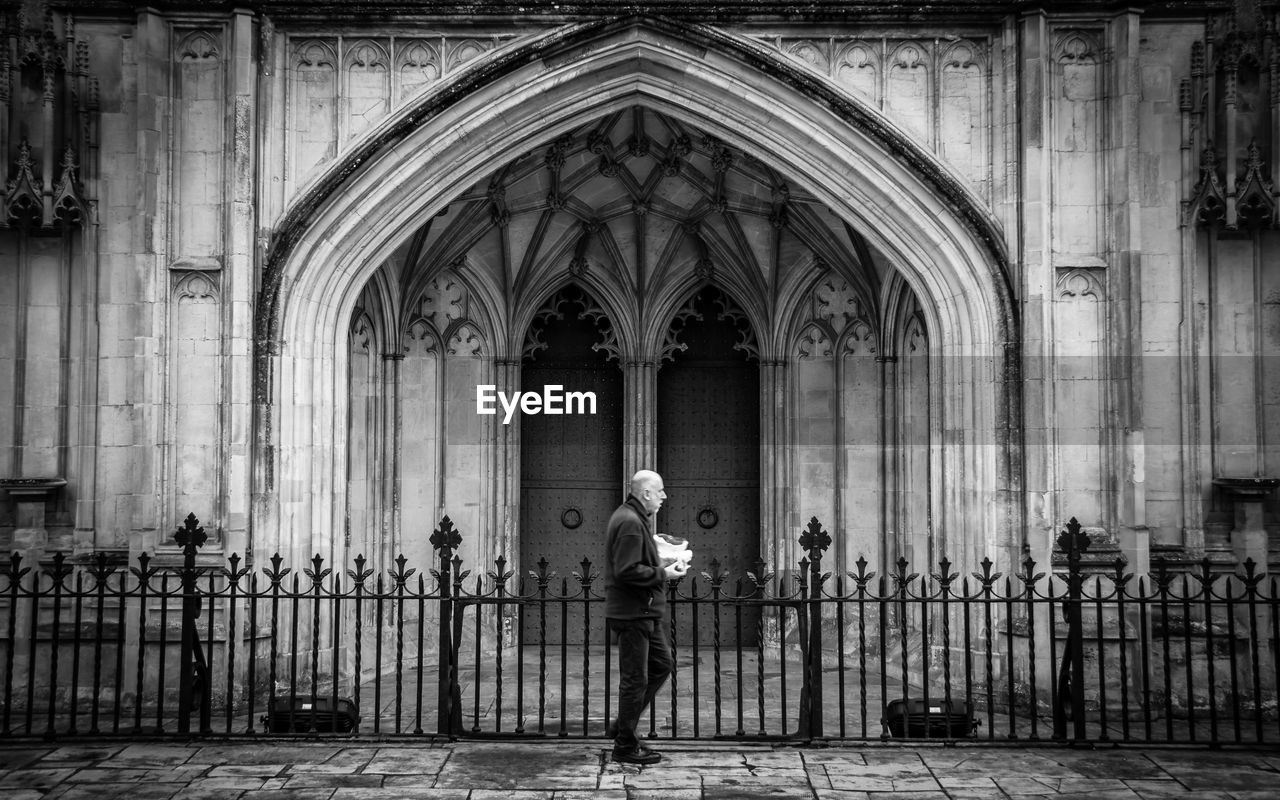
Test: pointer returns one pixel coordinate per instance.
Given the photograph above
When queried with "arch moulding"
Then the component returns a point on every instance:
(354, 216)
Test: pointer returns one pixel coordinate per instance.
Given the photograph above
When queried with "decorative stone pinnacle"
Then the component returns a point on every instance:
(1255, 155)
(1209, 157)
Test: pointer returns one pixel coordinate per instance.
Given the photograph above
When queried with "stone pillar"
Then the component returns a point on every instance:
(777, 547)
(506, 461)
(1125, 254)
(137, 476)
(1027, 103)
(893, 546)
(640, 389)
(389, 442)
(241, 214)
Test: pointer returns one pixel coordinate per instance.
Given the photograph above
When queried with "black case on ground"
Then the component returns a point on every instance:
(296, 714)
(945, 719)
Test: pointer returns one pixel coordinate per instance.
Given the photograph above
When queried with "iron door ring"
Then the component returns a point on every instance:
(708, 518)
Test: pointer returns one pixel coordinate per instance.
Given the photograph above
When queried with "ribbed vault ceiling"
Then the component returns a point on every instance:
(643, 197)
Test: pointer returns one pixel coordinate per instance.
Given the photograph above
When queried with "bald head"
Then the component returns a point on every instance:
(647, 486)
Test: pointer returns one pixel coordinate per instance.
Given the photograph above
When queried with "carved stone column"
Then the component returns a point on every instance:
(777, 547)
(640, 391)
(894, 545)
(390, 444)
(506, 469)
(240, 213)
(1127, 437)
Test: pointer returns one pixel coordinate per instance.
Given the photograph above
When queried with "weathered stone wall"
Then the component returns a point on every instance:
(1146, 339)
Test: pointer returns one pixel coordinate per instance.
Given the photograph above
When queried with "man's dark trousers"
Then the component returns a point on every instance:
(644, 663)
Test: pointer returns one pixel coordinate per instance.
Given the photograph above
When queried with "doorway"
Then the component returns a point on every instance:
(570, 464)
(709, 442)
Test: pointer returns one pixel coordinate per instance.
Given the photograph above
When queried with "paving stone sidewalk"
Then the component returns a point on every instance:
(364, 770)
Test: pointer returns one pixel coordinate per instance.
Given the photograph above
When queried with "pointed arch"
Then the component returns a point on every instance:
(298, 220)
(843, 152)
(379, 301)
(608, 299)
(485, 309)
(796, 305)
(674, 298)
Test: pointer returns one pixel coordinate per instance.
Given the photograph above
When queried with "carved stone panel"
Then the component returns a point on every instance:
(367, 87)
(908, 88)
(938, 92)
(339, 87)
(313, 121)
(1080, 375)
(1077, 145)
(195, 397)
(858, 70)
(199, 133)
(964, 124)
(417, 67)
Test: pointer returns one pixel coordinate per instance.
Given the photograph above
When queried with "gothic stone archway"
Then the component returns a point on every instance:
(869, 176)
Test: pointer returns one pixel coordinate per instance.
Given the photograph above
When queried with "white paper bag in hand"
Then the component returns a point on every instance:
(673, 550)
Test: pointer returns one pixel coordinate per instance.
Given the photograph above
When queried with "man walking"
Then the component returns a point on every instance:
(636, 610)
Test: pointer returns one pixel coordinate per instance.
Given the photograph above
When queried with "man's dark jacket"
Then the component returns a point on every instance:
(634, 585)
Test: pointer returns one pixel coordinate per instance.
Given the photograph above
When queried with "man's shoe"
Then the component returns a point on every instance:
(640, 755)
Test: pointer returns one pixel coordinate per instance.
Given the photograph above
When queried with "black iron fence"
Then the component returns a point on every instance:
(1073, 653)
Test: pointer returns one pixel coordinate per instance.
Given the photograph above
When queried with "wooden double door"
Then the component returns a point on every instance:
(708, 452)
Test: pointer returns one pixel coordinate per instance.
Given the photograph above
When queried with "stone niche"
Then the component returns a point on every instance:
(31, 498)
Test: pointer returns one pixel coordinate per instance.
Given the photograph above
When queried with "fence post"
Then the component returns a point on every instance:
(193, 671)
(459, 609)
(1073, 542)
(814, 540)
(444, 539)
